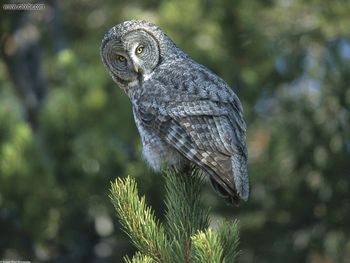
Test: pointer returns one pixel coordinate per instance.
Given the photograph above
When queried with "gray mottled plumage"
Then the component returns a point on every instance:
(182, 110)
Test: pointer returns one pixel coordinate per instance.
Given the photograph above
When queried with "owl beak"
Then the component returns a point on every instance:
(136, 68)
(133, 65)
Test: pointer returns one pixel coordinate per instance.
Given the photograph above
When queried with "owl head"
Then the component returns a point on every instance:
(133, 49)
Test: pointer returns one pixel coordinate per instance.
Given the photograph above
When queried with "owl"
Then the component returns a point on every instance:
(184, 112)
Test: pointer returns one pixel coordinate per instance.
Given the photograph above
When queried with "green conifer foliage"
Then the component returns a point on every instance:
(186, 236)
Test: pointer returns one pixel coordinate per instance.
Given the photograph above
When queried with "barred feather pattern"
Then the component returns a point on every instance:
(206, 127)
(186, 113)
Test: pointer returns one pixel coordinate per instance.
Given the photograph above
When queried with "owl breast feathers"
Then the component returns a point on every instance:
(183, 111)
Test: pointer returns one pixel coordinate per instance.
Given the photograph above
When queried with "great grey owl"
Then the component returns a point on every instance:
(183, 111)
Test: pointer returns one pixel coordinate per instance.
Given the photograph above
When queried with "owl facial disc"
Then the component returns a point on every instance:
(130, 55)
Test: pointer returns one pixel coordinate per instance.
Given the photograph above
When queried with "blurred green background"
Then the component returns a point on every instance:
(66, 130)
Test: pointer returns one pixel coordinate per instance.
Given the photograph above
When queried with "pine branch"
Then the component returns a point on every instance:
(138, 220)
(207, 247)
(228, 233)
(184, 215)
(139, 258)
(187, 237)
(218, 246)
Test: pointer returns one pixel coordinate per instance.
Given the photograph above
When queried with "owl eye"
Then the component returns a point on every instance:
(139, 49)
(121, 58)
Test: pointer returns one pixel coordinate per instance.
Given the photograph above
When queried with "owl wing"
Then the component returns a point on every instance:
(207, 133)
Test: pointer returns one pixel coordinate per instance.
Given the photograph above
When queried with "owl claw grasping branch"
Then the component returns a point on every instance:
(182, 110)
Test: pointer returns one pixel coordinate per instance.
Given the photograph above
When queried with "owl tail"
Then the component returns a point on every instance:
(238, 189)
(231, 199)
(240, 175)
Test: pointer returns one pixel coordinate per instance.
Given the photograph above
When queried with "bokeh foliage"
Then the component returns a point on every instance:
(289, 62)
